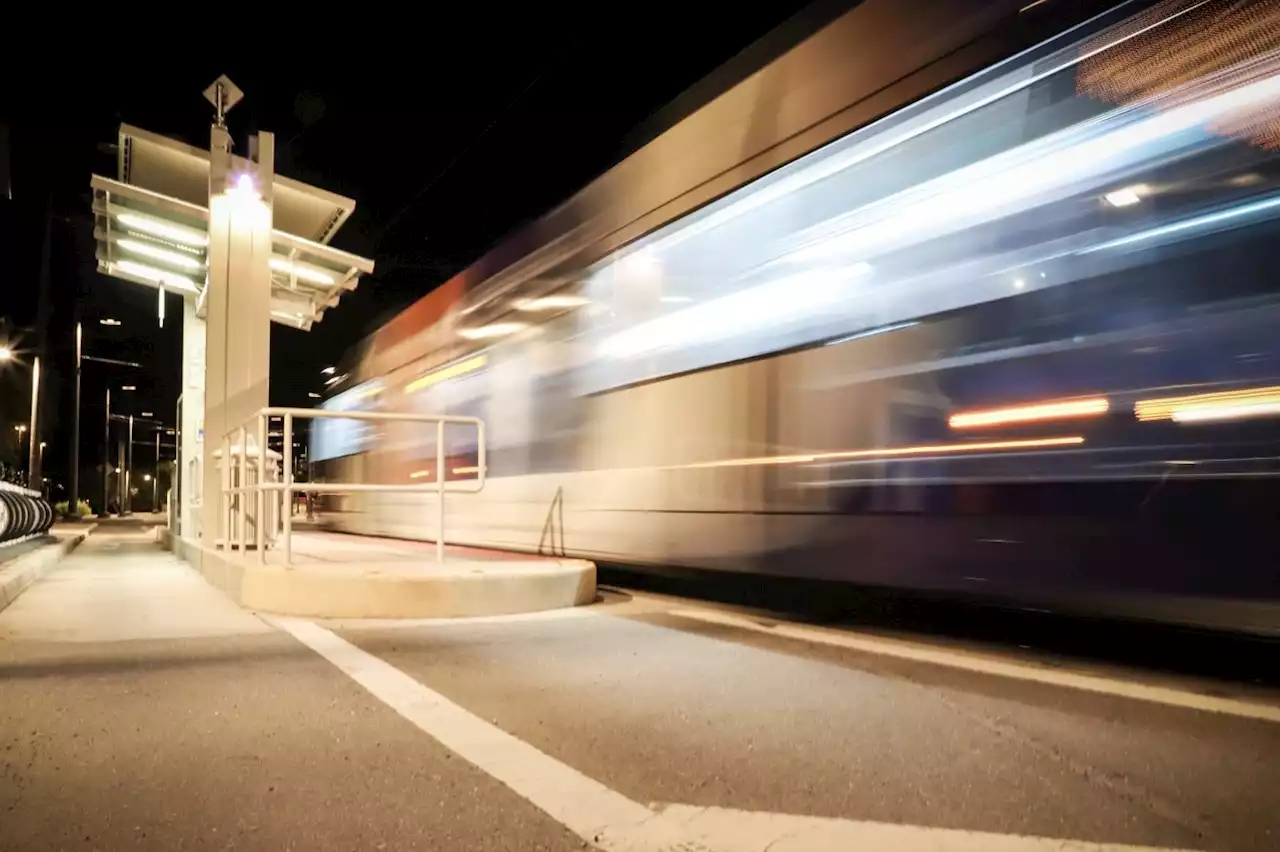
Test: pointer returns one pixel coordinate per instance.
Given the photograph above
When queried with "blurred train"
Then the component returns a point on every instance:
(968, 298)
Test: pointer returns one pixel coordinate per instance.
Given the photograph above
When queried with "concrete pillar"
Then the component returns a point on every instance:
(237, 303)
(192, 425)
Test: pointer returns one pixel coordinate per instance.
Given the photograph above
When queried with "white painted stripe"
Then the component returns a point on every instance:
(992, 666)
(586, 807)
(609, 820)
(397, 623)
(754, 831)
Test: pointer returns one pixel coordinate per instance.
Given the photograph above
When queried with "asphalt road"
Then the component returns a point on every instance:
(140, 709)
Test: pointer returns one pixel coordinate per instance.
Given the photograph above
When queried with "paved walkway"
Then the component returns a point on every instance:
(140, 709)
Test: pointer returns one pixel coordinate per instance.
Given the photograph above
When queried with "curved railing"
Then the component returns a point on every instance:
(23, 513)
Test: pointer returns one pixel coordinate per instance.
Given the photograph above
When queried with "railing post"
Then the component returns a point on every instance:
(242, 506)
(287, 503)
(260, 503)
(440, 491)
(224, 496)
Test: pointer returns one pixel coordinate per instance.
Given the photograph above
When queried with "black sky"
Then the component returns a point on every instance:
(448, 131)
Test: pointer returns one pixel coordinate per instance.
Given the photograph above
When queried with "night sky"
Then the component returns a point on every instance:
(448, 133)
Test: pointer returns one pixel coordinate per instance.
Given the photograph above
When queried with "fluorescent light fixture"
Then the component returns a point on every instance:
(147, 414)
(328, 371)
(1126, 197)
(109, 321)
(313, 395)
(150, 273)
(185, 261)
(302, 273)
(551, 303)
(129, 387)
(334, 380)
(166, 230)
(497, 329)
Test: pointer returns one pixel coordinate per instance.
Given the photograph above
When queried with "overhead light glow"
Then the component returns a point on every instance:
(185, 261)
(497, 329)
(328, 371)
(313, 395)
(147, 414)
(108, 321)
(150, 273)
(301, 272)
(1030, 413)
(6, 354)
(129, 387)
(1126, 197)
(168, 231)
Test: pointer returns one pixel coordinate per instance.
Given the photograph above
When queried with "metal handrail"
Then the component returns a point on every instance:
(287, 487)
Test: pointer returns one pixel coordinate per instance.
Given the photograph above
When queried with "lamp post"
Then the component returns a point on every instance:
(22, 435)
(73, 504)
(34, 456)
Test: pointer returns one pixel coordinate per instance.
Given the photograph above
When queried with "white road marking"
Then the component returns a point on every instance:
(992, 666)
(611, 821)
(586, 807)
(754, 831)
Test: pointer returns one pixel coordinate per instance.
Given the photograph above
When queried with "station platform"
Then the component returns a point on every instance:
(142, 709)
(333, 575)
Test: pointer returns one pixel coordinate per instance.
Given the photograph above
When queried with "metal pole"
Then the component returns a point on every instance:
(74, 503)
(287, 503)
(155, 477)
(33, 442)
(440, 491)
(106, 457)
(126, 506)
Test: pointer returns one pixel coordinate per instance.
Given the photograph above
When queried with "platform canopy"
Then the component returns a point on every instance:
(151, 228)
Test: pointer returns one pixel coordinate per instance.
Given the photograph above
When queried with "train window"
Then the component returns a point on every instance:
(1018, 181)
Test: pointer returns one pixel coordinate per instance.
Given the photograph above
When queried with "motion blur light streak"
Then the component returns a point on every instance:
(890, 452)
(1209, 413)
(497, 329)
(459, 368)
(1030, 413)
(1214, 41)
(1186, 408)
(551, 303)
(1123, 197)
(1192, 224)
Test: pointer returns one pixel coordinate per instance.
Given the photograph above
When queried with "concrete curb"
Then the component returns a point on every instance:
(15, 579)
(524, 587)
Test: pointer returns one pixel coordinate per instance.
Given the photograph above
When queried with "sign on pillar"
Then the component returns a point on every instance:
(237, 304)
